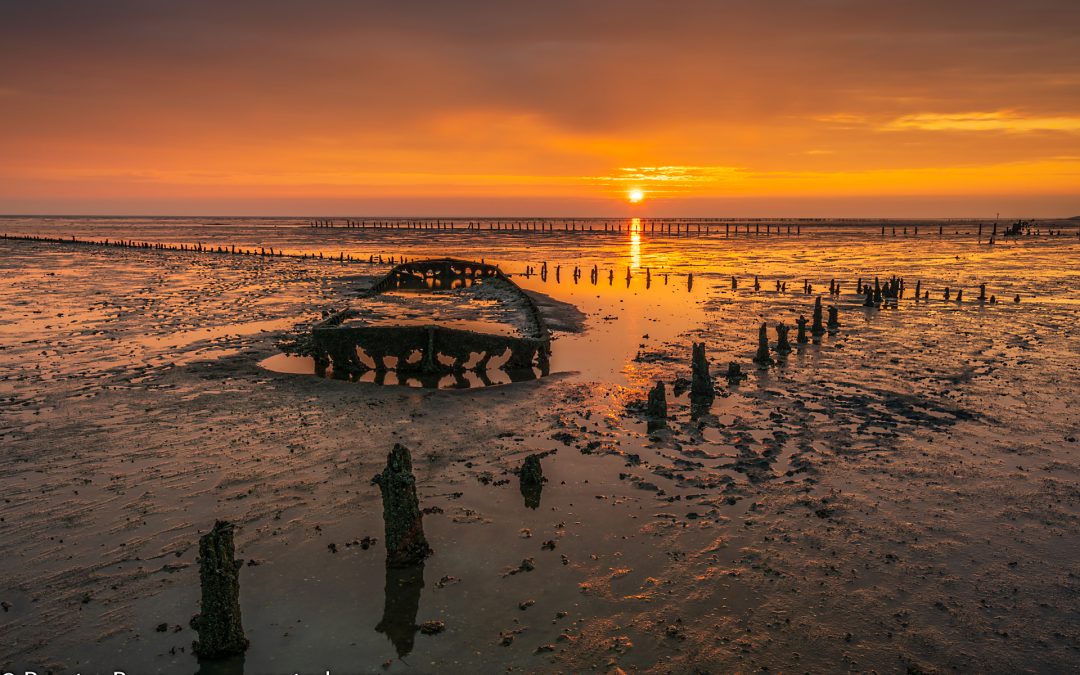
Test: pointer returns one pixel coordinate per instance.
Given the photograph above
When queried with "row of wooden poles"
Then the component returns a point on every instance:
(261, 251)
(644, 227)
(667, 227)
(834, 286)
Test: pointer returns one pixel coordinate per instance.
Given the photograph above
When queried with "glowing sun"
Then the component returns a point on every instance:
(635, 196)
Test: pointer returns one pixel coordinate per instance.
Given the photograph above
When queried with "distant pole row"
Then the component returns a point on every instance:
(260, 251)
(663, 226)
(644, 226)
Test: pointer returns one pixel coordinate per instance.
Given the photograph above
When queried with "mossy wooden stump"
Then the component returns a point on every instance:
(403, 522)
(221, 633)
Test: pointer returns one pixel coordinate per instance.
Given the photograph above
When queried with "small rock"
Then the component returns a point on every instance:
(432, 627)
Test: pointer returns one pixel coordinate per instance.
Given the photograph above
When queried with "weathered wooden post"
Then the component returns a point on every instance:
(531, 480)
(800, 336)
(782, 344)
(656, 408)
(218, 624)
(834, 317)
(817, 329)
(405, 541)
(701, 384)
(762, 357)
(734, 373)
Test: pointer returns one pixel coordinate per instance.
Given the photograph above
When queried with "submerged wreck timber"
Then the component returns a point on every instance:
(441, 335)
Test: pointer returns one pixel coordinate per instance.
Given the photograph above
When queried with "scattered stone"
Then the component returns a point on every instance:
(527, 565)
(432, 627)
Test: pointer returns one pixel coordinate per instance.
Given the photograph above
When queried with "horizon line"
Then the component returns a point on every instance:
(529, 217)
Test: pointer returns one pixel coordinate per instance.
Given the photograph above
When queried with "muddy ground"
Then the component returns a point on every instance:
(902, 496)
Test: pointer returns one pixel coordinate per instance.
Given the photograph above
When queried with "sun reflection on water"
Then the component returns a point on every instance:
(635, 243)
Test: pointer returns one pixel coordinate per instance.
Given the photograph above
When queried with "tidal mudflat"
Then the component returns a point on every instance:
(899, 494)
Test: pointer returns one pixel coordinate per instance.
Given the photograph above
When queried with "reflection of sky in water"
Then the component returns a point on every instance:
(1041, 269)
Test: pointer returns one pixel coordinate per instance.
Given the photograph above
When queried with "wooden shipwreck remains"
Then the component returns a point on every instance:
(430, 351)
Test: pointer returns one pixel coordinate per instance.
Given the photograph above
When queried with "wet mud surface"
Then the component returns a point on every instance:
(901, 495)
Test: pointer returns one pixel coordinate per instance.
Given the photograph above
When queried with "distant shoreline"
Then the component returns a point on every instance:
(593, 219)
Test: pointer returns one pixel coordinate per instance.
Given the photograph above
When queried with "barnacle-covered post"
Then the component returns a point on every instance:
(405, 541)
(218, 624)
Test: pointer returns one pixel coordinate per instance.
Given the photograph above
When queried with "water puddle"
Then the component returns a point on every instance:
(464, 379)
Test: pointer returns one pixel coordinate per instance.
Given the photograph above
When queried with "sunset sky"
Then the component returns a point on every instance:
(721, 108)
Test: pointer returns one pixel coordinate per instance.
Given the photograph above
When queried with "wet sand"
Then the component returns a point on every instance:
(901, 497)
